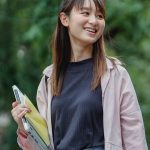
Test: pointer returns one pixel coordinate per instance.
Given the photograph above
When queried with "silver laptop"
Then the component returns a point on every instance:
(27, 125)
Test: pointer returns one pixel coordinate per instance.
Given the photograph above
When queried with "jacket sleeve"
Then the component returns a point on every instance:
(26, 142)
(132, 126)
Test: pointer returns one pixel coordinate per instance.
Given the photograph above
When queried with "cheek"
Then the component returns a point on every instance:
(81, 23)
(101, 27)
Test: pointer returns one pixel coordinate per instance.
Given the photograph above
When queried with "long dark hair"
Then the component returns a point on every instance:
(61, 48)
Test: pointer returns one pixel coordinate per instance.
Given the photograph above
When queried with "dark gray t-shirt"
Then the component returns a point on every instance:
(77, 115)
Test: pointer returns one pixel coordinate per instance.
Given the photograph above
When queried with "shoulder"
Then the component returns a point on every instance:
(45, 77)
(48, 70)
(114, 65)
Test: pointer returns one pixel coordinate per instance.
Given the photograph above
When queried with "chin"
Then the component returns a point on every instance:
(91, 40)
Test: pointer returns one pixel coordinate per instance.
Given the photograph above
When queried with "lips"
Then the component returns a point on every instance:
(91, 30)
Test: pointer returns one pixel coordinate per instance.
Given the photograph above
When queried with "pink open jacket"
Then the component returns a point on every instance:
(122, 119)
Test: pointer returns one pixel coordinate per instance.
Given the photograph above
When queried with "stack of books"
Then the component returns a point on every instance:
(34, 124)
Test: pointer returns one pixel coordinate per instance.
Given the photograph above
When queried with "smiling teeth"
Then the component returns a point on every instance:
(90, 30)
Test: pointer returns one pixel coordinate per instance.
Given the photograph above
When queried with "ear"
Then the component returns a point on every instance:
(64, 19)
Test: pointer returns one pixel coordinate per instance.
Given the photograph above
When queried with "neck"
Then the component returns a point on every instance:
(81, 52)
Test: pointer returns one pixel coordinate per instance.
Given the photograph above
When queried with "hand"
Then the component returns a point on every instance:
(18, 112)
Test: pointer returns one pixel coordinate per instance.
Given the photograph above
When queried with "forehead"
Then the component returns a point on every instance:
(80, 4)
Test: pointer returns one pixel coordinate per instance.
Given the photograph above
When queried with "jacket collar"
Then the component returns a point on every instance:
(48, 70)
(111, 64)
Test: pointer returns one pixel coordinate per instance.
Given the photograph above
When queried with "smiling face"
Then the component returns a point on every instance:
(86, 24)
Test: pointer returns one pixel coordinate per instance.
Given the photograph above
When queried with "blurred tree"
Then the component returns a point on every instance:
(6, 53)
(26, 28)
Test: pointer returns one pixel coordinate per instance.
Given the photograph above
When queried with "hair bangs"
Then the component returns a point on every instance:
(100, 6)
(79, 4)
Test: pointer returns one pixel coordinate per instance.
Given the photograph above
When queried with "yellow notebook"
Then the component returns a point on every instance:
(33, 122)
(37, 121)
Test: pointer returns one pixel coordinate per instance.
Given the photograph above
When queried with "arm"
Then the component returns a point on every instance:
(132, 126)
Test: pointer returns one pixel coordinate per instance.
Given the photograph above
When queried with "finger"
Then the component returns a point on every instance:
(22, 113)
(14, 104)
(25, 107)
(18, 110)
(21, 107)
(17, 115)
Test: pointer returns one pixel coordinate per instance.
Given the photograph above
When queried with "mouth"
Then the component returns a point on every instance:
(91, 30)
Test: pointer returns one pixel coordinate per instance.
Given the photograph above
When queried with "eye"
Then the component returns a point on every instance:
(100, 16)
(85, 13)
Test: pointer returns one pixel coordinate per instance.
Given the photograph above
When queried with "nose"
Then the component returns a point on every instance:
(93, 20)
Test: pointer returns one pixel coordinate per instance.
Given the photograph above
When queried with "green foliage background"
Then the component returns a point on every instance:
(26, 28)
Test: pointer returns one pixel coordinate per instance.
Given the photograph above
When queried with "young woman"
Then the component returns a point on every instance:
(87, 99)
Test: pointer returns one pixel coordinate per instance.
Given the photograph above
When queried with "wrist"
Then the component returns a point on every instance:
(22, 132)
